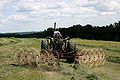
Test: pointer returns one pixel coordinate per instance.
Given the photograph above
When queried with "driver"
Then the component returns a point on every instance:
(57, 34)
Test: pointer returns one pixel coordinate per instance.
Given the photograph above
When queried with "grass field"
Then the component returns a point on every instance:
(8, 71)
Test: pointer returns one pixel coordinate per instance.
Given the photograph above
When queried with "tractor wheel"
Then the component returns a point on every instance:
(71, 48)
(70, 60)
(44, 45)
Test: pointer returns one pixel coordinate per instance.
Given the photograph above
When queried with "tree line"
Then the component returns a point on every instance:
(109, 32)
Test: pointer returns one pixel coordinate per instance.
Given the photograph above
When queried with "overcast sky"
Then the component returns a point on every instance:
(37, 15)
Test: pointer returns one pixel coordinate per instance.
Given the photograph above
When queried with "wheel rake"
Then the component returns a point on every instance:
(45, 59)
(91, 57)
(86, 58)
(24, 56)
(55, 48)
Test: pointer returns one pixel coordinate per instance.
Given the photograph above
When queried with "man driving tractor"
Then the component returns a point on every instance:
(57, 34)
(56, 40)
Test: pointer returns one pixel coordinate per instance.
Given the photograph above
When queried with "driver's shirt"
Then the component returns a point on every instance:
(56, 33)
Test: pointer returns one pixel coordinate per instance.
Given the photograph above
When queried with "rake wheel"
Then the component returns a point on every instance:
(33, 60)
(95, 57)
(103, 57)
(42, 60)
(38, 63)
(24, 58)
(18, 56)
(85, 60)
(52, 62)
(29, 59)
(92, 57)
(99, 55)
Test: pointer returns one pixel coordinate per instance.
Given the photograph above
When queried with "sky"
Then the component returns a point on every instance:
(38, 15)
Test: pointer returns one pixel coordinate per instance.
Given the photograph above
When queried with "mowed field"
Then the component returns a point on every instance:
(9, 71)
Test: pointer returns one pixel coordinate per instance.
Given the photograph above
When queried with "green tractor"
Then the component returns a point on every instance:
(61, 48)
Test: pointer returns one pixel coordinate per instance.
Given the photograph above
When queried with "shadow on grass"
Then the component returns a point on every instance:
(22, 66)
(14, 64)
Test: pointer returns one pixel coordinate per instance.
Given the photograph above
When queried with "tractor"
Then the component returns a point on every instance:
(61, 48)
(55, 48)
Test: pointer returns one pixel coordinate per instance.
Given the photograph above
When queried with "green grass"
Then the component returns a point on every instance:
(8, 71)
(4, 42)
(112, 48)
(103, 44)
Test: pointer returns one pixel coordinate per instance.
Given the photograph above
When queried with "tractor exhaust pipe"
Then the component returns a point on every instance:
(54, 26)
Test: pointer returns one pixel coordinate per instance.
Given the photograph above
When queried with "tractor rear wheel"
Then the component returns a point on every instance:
(71, 48)
(44, 45)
